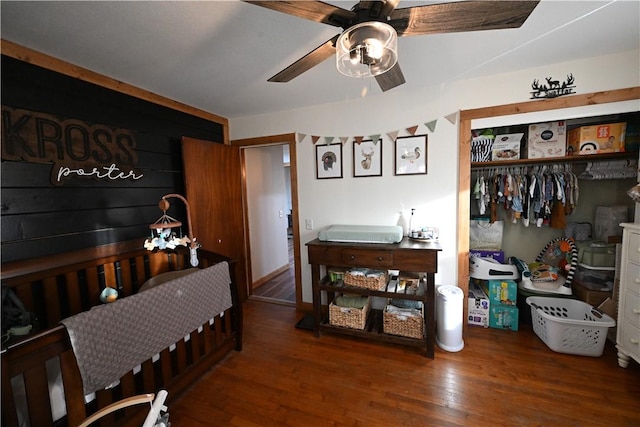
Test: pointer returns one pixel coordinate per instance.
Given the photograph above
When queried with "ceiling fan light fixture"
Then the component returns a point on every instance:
(367, 49)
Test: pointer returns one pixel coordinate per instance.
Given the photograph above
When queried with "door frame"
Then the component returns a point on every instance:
(282, 139)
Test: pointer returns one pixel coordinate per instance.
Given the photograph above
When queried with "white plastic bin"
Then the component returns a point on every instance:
(449, 312)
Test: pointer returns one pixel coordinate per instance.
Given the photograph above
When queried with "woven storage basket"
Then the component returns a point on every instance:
(406, 326)
(367, 279)
(348, 317)
(570, 326)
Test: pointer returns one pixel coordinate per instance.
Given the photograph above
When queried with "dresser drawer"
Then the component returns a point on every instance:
(367, 258)
(630, 340)
(631, 308)
(632, 276)
(633, 247)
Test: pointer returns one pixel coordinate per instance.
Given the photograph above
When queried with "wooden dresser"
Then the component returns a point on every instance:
(628, 332)
(407, 256)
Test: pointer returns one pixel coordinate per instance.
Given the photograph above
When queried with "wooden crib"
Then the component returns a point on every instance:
(60, 286)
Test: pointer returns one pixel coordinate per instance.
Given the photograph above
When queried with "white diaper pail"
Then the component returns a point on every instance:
(449, 310)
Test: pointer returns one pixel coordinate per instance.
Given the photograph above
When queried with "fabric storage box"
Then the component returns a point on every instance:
(348, 317)
(366, 278)
(506, 147)
(547, 140)
(496, 255)
(481, 148)
(477, 306)
(502, 292)
(570, 326)
(503, 317)
(406, 322)
(597, 139)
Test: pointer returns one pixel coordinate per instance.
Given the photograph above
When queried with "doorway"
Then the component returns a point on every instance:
(271, 221)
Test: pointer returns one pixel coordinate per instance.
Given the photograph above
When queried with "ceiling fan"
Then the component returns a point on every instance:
(366, 45)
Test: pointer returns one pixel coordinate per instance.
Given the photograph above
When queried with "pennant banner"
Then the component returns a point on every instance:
(314, 139)
(301, 137)
(393, 135)
(328, 139)
(412, 130)
(452, 118)
(431, 125)
(358, 139)
(344, 139)
(375, 138)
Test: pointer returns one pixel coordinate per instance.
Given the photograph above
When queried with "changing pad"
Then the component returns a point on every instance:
(362, 233)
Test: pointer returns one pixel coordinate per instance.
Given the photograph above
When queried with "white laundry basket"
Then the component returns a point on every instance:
(570, 326)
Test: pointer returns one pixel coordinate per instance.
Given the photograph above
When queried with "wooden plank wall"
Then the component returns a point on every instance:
(40, 219)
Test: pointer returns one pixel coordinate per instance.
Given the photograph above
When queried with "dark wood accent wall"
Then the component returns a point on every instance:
(40, 219)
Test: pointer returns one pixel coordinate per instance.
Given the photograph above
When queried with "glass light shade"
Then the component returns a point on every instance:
(367, 49)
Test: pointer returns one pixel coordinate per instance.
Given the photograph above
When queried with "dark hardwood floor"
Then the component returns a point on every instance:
(283, 286)
(287, 377)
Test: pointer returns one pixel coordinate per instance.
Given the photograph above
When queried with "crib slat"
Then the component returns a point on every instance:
(181, 355)
(104, 398)
(165, 366)
(125, 275)
(73, 292)
(148, 377)
(50, 291)
(9, 413)
(37, 388)
(73, 391)
(93, 286)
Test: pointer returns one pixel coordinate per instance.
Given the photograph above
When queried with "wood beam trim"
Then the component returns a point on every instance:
(31, 56)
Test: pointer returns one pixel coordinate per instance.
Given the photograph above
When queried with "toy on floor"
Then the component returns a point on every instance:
(553, 270)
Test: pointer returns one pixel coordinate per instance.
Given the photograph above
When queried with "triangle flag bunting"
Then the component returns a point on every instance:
(412, 130)
(328, 139)
(344, 139)
(301, 136)
(452, 117)
(375, 138)
(314, 139)
(358, 139)
(431, 125)
(393, 135)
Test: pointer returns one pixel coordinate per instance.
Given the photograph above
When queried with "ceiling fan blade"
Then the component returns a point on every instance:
(310, 60)
(391, 78)
(461, 16)
(313, 10)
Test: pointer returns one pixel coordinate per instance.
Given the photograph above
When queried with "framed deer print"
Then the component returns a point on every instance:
(328, 161)
(411, 155)
(367, 158)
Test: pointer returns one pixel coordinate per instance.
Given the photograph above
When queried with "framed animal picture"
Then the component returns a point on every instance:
(328, 161)
(411, 155)
(367, 158)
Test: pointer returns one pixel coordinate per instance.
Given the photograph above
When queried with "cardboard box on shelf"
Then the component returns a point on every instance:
(597, 139)
(478, 306)
(506, 147)
(547, 140)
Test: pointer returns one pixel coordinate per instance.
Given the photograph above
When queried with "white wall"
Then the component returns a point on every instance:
(266, 194)
(377, 200)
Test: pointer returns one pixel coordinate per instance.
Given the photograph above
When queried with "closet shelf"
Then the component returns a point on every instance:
(566, 159)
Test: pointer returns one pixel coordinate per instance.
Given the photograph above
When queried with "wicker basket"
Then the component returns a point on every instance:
(365, 278)
(406, 326)
(348, 317)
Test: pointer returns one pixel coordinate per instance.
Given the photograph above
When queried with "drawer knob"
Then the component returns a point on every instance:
(636, 311)
(637, 280)
(380, 258)
(352, 257)
(634, 341)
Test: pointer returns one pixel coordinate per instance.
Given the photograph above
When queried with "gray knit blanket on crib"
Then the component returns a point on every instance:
(112, 339)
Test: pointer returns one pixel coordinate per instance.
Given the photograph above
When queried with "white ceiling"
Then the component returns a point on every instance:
(218, 55)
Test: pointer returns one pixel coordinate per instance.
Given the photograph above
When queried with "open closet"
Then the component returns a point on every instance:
(596, 174)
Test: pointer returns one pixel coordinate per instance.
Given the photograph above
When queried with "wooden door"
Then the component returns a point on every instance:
(213, 183)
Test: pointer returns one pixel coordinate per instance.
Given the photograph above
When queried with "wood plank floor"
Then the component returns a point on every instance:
(283, 286)
(287, 377)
